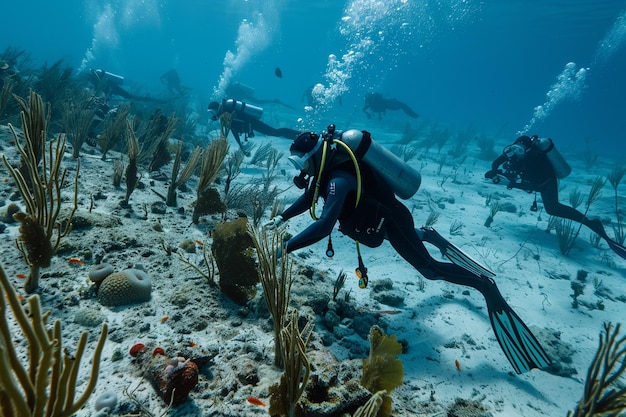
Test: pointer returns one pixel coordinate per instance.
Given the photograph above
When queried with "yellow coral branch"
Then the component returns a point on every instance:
(48, 388)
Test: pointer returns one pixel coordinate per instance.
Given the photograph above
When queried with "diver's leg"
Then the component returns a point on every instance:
(394, 104)
(401, 233)
(409, 112)
(285, 132)
(450, 251)
(264, 128)
(268, 130)
(550, 197)
(237, 137)
(518, 343)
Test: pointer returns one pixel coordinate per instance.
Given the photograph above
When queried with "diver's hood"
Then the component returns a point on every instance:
(303, 148)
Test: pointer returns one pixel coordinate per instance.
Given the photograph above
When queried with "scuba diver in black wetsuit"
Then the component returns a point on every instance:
(358, 180)
(533, 164)
(171, 81)
(110, 85)
(376, 103)
(245, 93)
(246, 120)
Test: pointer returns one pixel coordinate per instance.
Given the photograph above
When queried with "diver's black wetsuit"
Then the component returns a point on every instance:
(376, 103)
(248, 125)
(534, 173)
(378, 215)
(377, 209)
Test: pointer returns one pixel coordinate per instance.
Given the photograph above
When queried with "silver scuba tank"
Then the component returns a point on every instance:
(231, 105)
(560, 165)
(113, 78)
(403, 179)
(116, 79)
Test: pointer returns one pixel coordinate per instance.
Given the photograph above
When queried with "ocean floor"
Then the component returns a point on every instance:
(452, 362)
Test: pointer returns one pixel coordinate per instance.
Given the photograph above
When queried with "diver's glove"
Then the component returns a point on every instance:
(491, 173)
(274, 222)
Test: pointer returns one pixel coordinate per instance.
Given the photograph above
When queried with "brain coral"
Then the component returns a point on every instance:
(126, 287)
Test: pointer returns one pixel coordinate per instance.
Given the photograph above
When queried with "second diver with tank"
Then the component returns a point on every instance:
(358, 180)
(534, 164)
(246, 120)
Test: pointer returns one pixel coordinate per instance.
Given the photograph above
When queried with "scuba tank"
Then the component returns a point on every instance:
(560, 165)
(231, 105)
(114, 78)
(403, 179)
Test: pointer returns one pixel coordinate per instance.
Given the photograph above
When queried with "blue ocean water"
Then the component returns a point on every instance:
(555, 68)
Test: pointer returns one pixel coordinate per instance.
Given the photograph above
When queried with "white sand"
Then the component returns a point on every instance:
(532, 274)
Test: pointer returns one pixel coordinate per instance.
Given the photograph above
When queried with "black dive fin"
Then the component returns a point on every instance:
(617, 248)
(517, 342)
(456, 255)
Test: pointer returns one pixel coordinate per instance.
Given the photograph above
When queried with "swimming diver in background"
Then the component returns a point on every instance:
(244, 92)
(171, 81)
(533, 164)
(246, 121)
(110, 85)
(376, 103)
(358, 191)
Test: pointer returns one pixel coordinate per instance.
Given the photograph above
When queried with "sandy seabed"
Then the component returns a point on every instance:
(439, 324)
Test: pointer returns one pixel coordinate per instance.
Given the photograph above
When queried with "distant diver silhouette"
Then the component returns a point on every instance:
(171, 81)
(376, 103)
(247, 120)
(244, 92)
(110, 85)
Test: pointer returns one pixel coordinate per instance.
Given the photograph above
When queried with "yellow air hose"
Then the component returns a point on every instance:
(319, 175)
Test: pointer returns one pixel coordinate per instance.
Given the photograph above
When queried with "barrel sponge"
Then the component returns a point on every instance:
(106, 400)
(125, 287)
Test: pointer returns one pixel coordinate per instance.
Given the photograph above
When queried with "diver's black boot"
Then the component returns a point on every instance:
(433, 237)
(518, 343)
(617, 248)
(597, 226)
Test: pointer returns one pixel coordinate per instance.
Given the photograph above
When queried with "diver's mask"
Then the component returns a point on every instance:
(214, 110)
(302, 161)
(514, 150)
(303, 149)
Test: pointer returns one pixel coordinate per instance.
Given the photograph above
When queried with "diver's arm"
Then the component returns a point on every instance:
(495, 167)
(301, 205)
(338, 189)
(498, 161)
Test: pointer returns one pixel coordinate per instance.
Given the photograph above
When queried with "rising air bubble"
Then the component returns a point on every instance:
(569, 85)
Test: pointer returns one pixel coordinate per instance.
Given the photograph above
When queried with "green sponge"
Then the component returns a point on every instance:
(129, 286)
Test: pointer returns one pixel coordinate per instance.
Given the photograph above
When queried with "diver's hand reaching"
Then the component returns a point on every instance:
(274, 222)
